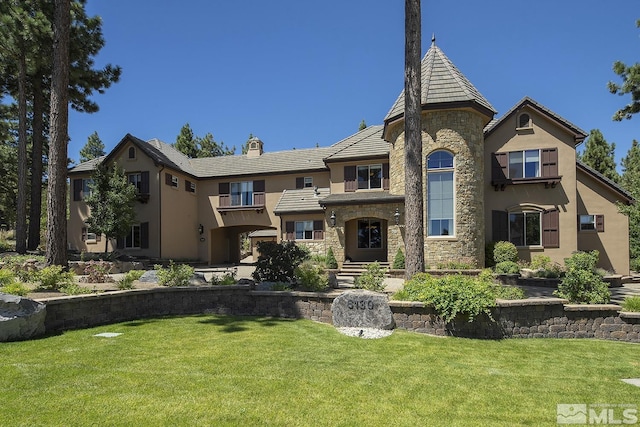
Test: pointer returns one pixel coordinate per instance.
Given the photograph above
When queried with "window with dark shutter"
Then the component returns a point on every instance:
(600, 223)
(350, 182)
(168, 179)
(549, 162)
(498, 167)
(77, 190)
(144, 182)
(385, 176)
(144, 235)
(258, 186)
(318, 230)
(500, 226)
(223, 188)
(290, 228)
(551, 228)
(299, 182)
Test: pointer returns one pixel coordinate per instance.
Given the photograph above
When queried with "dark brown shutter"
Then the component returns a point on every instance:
(120, 243)
(258, 186)
(318, 230)
(600, 223)
(385, 176)
(350, 182)
(551, 228)
(500, 226)
(499, 164)
(290, 228)
(223, 188)
(77, 190)
(144, 235)
(144, 182)
(168, 178)
(300, 182)
(549, 162)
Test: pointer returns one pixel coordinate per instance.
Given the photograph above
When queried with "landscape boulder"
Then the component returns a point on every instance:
(362, 309)
(20, 318)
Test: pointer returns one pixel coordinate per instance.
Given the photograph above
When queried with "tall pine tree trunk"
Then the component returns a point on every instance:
(59, 123)
(414, 225)
(21, 199)
(35, 209)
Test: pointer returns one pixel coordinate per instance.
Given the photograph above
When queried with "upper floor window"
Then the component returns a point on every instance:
(236, 195)
(81, 188)
(171, 180)
(370, 176)
(189, 186)
(591, 223)
(440, 215)
(86, 187)
(525, 228)
(242, 193)
(524, 164)
(136, 180)
(132, 152)
(524, 120)
(304, 182)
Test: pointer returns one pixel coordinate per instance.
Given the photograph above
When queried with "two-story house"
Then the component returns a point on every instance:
(484, 179)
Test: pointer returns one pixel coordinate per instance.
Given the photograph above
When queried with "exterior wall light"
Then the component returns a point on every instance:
(396, 216)
(332, 219)
(200, 229)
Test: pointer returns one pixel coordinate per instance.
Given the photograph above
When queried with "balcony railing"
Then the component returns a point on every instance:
(230, 203)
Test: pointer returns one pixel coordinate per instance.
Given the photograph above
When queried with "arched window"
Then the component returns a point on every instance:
(132, 152)
(440, 170)
(524, 120)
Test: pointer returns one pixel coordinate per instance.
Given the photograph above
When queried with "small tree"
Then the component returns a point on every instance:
(581, 283)
(277, 261)
(111, 201)
(186, 142)
(331, 260)
(93, 149)
(398, 261)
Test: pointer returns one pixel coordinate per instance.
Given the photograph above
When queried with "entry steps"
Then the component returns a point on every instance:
(354, 269)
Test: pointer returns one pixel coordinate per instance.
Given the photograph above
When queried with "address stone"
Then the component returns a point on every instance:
(362, 309)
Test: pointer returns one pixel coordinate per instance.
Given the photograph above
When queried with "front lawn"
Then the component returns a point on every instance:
(216, 370)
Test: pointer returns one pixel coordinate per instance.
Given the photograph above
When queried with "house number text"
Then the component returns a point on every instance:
(360, 304)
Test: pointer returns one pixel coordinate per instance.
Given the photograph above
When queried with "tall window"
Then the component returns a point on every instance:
(136, 180)
(132, 240)
(524, 164)
(440, 193)
(369, 234)
(86, 189)
(525, 229)
(370, 176)
(242, 193)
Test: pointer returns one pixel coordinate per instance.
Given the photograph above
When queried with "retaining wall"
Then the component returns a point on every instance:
(530, 318)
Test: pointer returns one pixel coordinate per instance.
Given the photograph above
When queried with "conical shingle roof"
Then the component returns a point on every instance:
(443, 86)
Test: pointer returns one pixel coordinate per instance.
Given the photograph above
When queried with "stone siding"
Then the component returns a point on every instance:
(461, 133)
(531, 318)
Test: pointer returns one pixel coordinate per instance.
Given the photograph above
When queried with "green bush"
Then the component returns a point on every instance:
(174, 275)
(54, 278)
(332, 264)
(488, 254)
(127, 280)
(6, 246)
(15, 288)
(311, 277)
(540, 262)
(277, 261)
(75, 289)
(227, 279)
(581, 283)
(372, 279)
(6, 277)
(631, 304)
(505, 251)
(508, 292)
(399, 260)
(507, 267)
(635, 264)
(454, 265)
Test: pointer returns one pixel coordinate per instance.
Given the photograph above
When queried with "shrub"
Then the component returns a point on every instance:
(331, 260)
(631, 304)
(635, 264)
(505, 251)
(279, 286)
(15, 288)
(488, 254)
(54, 278)
(227, 279)
(507, 267)
(277, 261)
(6, 277)
(540, 262)
(581, 283)
(5, 246)
(75, 289)
(127, 280)
(508, 292)
(372, 279)
(455, 265)
(97, 272)
(398, 260)
(174, 275)
(311, 277)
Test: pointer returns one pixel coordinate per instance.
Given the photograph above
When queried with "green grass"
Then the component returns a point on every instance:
(216, 370)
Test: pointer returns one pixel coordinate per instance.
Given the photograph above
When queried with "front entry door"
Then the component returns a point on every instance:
(366, 240)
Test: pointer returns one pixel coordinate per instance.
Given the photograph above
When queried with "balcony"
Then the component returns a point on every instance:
(233, 203)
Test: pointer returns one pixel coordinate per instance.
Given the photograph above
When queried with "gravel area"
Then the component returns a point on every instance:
(367, 333)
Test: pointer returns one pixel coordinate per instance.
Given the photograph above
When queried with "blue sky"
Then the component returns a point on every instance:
(297, 73)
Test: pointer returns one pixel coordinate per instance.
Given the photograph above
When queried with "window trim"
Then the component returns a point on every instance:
(306, 224)
(548, 169)
(307, 182)
(437, 171)
(529, 124)
(598, 223)
(368, 181)
(132, 236)
(132, 153)
(525, 212)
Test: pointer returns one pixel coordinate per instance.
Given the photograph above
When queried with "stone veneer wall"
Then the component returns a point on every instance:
(541, 318)
(335, 236)
(461, 133)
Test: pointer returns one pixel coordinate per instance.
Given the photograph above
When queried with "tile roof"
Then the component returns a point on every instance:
(442, 83)
(365, 144)
(87, 166)
(362, 197)
(301, 200)
(579, 134)
(269, 232)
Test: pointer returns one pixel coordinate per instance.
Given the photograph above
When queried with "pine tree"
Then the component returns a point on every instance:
(630, 181)
(111, 202)
(186, 142)
(630, 84)
(599, 155)
(363, 125)
(208, 147)
(93, 149)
